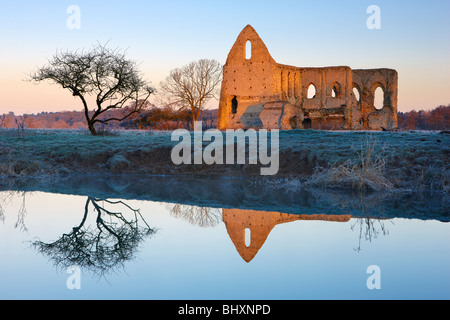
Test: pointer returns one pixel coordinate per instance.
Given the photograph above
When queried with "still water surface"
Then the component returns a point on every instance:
(141, 249)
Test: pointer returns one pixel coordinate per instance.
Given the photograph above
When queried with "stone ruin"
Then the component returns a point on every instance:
(259, 93)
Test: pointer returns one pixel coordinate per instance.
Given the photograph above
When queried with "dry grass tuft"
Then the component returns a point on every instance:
(367, 174)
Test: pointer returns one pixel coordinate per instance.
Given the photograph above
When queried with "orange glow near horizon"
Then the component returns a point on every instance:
(413, 40)
(23, 97)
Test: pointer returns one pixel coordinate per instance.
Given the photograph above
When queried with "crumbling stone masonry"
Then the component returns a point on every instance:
(258, 93)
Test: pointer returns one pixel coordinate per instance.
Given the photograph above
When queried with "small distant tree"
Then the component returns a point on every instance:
(192, 86)
(104, 74)
(21, 123)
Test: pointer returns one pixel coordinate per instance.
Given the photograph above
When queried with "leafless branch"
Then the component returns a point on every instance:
(192, 86)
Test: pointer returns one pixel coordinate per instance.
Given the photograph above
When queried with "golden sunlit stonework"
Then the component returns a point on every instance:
(259, 93)
(260, 224)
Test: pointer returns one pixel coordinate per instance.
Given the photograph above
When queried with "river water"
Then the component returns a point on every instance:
(225, 239)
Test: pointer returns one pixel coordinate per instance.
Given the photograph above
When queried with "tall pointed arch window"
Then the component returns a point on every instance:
(248, 50)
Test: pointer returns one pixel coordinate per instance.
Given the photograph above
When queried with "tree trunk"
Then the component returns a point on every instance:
(92, 127)
(194, 122)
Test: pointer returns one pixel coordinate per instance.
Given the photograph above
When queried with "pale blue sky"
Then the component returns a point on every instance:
(163, 35)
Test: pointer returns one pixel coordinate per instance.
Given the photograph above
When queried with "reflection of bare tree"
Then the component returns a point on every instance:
(2, 213)
(5, 199)
(369, 229)
(202, 217)
(104, 248)
(364, 206)
(20, 223)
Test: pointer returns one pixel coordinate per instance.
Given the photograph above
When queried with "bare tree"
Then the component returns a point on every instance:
(192, 86)
(102, 73)
(21, 124)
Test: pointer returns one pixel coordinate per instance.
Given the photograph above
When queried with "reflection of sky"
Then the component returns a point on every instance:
(163, 35)
(300, 260)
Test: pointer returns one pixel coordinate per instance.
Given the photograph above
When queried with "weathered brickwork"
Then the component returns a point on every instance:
(257, 92)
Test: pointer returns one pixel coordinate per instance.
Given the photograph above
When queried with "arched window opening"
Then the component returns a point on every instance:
(336, 90)
(356, 94)
(248, 50)
(248, 237)
(311, 91)
(307, 123)
(234, 105)
(379, 98)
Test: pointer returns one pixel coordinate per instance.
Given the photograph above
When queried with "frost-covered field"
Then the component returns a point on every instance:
(416, 157)
(61, 142)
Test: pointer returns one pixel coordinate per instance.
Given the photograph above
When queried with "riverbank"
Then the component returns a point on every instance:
(240, 193)
(327, 159)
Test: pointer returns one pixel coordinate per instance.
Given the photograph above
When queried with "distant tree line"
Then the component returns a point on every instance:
(171, 118)
(153, 118)
(436, 119)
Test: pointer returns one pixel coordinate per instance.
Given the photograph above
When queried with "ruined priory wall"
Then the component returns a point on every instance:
(325, 110)
(248, 79)
(259, 93)
(366, 82)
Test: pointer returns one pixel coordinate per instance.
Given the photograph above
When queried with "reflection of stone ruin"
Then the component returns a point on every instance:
(260, 224)
(259, 93)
